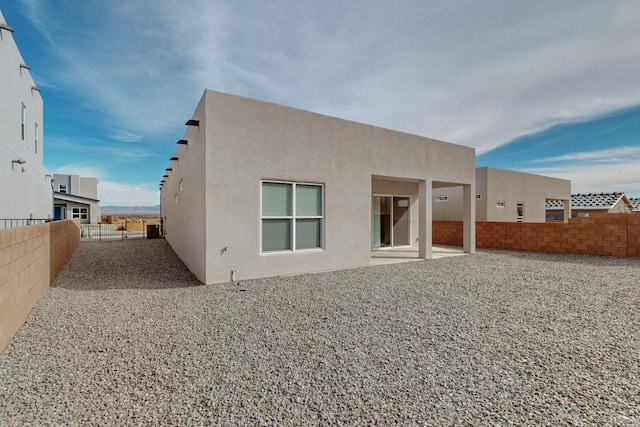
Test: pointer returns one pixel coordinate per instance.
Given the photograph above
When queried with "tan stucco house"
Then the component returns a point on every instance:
(256, 189)
(506, 196)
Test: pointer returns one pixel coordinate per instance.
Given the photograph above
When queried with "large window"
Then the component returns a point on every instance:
(292, 216)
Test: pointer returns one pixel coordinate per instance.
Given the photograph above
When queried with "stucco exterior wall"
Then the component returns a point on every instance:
(245, 141)
(183, 208)
(513, 187)
(27, 186)
(498, 185)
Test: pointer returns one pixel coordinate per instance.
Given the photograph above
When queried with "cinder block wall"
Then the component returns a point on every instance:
(30, 258)
(448, 232)
(602, 234)
(633, 235)
(65, 238)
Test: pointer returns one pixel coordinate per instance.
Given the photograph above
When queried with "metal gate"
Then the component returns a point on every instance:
(112, 232)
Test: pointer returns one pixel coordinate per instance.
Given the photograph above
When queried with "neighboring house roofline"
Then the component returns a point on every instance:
(73, 198)
(592, 201)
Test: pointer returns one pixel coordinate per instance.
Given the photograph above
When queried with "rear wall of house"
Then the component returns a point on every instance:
(249, 141)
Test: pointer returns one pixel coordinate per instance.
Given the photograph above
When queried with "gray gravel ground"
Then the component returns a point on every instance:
(127, 336)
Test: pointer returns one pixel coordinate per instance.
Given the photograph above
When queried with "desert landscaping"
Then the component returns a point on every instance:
(126, 334)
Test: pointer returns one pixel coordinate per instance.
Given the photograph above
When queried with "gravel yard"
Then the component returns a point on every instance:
(127, 336)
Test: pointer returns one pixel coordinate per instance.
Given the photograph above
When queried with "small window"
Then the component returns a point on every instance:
(442, 198)
(23, 119)
(500, 204)
(478, 196)
(520, 212)
(84, 213)
(75, 213)
(292, 216)
(35, 137)
(62, 188)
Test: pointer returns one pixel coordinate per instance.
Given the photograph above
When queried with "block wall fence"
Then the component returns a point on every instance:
(30, 258)
(601, 234)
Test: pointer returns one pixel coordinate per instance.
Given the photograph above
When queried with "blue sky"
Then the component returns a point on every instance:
(544, 87)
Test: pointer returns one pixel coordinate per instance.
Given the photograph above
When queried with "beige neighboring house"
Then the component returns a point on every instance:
(505, 196)
(26, 183)
(582, 205)
(76, 197)
(256, 189)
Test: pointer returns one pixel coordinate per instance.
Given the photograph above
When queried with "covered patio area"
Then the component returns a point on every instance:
(411, 253)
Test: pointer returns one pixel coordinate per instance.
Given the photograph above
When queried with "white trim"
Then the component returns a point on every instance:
(293, 217)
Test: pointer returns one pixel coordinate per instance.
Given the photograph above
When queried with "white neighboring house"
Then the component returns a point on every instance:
(259, 189)
(76, 197)
(26, 183)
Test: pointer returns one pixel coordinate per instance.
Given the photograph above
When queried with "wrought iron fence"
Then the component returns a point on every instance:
(21, 222)
(99, 232)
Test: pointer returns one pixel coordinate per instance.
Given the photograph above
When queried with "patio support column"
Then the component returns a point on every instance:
(567, 210)
(469, 219)
(425, 217)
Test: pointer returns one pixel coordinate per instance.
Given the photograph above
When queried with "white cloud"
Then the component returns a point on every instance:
(608, 155)
(476, 73)
(124, 194)
(112, 193)
(623, 175)
(88, 171)
(127, 136)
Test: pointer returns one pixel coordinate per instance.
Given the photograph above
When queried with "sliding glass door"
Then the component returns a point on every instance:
(390, 221)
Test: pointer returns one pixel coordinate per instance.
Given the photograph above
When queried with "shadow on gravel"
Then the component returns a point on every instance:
(135, 264)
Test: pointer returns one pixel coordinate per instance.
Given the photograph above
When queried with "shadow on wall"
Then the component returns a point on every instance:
(136, 264)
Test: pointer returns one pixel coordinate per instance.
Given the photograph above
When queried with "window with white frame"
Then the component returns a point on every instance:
(292, 216)
(478, 196)
(500, 204)
(23, 119)
(442, 198)
(82, 213)
(62, 188)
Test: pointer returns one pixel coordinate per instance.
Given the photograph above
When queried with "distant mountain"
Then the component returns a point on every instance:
(131, 209)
